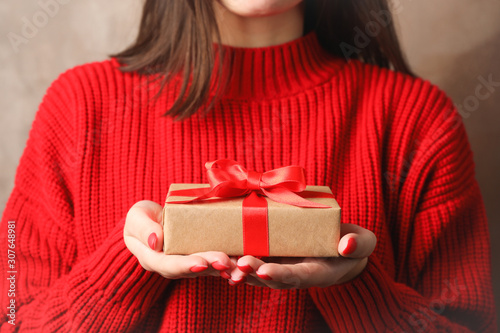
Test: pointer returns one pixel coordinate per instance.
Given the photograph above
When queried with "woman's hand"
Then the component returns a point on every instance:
(355, 245)
(143, 236)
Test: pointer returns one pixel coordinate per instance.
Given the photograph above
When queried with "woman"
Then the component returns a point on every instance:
(277, 90)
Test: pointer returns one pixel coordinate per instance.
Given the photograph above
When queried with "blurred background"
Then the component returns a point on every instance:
(453, 43)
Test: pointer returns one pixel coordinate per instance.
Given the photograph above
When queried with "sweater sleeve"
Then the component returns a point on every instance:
(52, 286)
(442, 281)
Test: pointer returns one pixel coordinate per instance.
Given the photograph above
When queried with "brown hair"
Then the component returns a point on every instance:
(176, 36)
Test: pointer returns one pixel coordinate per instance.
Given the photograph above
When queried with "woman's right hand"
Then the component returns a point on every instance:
(143, 236)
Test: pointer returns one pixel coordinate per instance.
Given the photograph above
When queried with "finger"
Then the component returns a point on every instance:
(244, 266)
(249, 265)
(255, 282)
(272, 275)
(236, 276)
(219, 262)
(169, 266)
(315, 272)
(143, 222)
(289, 276)
(356, 241)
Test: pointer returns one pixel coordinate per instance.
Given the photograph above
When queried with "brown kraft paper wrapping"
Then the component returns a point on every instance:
(216, 225)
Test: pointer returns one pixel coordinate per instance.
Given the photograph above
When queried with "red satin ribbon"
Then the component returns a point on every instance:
(228, 179)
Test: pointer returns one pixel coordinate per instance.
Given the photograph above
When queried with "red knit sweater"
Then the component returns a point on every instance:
(390, 146)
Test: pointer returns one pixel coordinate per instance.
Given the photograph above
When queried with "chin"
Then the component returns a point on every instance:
(256, 8)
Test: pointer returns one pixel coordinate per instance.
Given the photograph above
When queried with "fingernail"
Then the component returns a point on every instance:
(264, 276)
(220, 267)
(350, 247)
(234, 283)
(198, 268)
(152, 240)
(246, 269)
(225, 275)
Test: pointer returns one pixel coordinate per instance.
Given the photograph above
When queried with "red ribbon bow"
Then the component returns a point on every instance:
(228, 179)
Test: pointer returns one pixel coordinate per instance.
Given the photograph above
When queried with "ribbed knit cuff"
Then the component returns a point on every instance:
(371, 302)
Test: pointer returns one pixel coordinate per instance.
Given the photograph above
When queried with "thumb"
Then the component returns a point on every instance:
(143, 223)
(356, 242)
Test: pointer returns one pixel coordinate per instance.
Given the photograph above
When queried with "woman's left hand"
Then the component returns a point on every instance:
(355, 245)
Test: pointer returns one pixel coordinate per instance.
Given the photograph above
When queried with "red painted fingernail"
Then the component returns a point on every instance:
(152, 240)
(350, 247)
(198, 268)
(242, 279)
(220, 267)
(264, 276)
(246, 269)
(225, 275)
(234, 283)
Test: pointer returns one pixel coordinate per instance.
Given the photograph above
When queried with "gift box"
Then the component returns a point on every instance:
(227, 224)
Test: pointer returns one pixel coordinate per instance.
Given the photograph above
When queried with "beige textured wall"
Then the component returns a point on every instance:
(453, 43)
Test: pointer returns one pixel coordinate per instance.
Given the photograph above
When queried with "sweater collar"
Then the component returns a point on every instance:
(279, 70)
(273, 71)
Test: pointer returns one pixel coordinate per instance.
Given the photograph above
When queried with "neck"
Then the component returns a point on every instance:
(259, 31)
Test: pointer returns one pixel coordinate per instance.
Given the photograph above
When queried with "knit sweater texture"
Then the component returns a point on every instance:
(391, 147)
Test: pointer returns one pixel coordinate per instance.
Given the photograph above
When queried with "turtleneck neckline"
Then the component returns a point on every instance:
(278, 70)
(273, 71)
